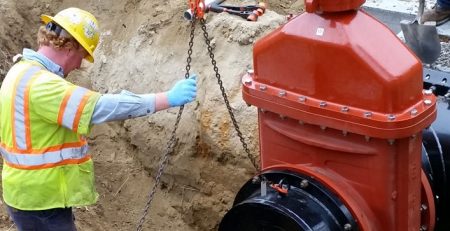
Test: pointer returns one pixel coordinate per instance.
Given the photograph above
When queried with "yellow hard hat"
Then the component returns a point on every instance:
(81, 25)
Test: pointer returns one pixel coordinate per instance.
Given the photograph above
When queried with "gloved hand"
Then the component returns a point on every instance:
(183, 92)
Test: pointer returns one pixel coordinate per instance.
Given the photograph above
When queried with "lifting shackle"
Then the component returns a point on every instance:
(198, 8)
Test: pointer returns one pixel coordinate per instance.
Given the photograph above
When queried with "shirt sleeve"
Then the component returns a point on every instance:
(126, 105)
(59, 101)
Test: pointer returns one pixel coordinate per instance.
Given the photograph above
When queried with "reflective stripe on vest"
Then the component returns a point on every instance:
(20, 110)
(72, 106)
(22, 155)
(53, 157)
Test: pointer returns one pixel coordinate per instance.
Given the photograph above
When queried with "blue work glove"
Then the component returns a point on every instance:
(183, 92)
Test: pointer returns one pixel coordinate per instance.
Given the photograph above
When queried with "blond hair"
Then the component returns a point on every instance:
(50, 38)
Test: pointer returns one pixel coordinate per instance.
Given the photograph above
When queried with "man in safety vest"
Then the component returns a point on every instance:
(44, 120)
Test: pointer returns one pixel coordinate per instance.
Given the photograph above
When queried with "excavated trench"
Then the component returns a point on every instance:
(143, 49)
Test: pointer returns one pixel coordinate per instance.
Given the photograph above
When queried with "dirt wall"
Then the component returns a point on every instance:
(143, 49)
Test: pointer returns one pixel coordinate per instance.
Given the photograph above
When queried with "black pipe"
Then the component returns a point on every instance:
(305, 206)
(436, 162)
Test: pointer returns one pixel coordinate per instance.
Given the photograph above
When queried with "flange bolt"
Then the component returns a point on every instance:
(304, 184)
(347, 227)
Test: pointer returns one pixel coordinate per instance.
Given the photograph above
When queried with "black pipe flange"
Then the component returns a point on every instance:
(287, 201)
(436, 162)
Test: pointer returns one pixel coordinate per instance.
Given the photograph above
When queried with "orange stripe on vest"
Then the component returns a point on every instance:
(27, 112)
(80, 110)
(62, 108)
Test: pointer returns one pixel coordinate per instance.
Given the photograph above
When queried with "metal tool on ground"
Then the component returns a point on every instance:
(423, 39)
(249, 12)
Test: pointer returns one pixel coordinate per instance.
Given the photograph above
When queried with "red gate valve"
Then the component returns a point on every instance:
(198, 8)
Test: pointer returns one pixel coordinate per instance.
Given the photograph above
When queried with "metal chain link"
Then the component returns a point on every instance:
(172, 141)
(225, 97)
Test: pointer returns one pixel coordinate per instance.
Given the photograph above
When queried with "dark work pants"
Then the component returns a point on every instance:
(60, 219)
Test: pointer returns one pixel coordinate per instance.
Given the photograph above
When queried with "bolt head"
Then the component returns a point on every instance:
(428, 92)
(323, 104)
(345, 109)
(282, 93)
(304, 184)
(423, 207)
(391, 117)
(302, 99)
(368, 114)
(427, 102)
(262, 87)
(347, 227)
(248, 81)
(414, 112)
(250, 71)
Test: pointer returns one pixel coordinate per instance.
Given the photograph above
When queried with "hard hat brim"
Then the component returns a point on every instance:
(47, 18)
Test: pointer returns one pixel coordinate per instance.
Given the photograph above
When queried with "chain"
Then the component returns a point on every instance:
(225, 98)
(172, 141)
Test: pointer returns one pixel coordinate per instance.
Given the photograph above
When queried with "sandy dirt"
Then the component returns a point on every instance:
(143, 49)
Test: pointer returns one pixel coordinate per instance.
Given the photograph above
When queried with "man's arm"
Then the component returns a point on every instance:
(127, 105)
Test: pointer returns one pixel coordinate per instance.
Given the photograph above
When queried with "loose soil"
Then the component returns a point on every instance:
(143, 49)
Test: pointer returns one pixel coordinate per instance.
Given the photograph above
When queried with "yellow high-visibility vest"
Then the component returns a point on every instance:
(43, 123)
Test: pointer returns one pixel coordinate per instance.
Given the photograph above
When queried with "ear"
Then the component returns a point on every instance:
(83, 51)
(67, 51)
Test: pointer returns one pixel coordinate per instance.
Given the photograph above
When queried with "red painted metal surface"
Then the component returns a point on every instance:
(428, 207)
(340, 99)
(332, 5)
(198, 8)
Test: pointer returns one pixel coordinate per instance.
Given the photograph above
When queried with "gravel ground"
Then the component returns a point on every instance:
(443, 62)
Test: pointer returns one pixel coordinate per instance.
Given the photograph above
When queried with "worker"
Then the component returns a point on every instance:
(44, 121)
(440, 13)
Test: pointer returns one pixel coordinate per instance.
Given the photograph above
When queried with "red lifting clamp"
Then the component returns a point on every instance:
(198, 8)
